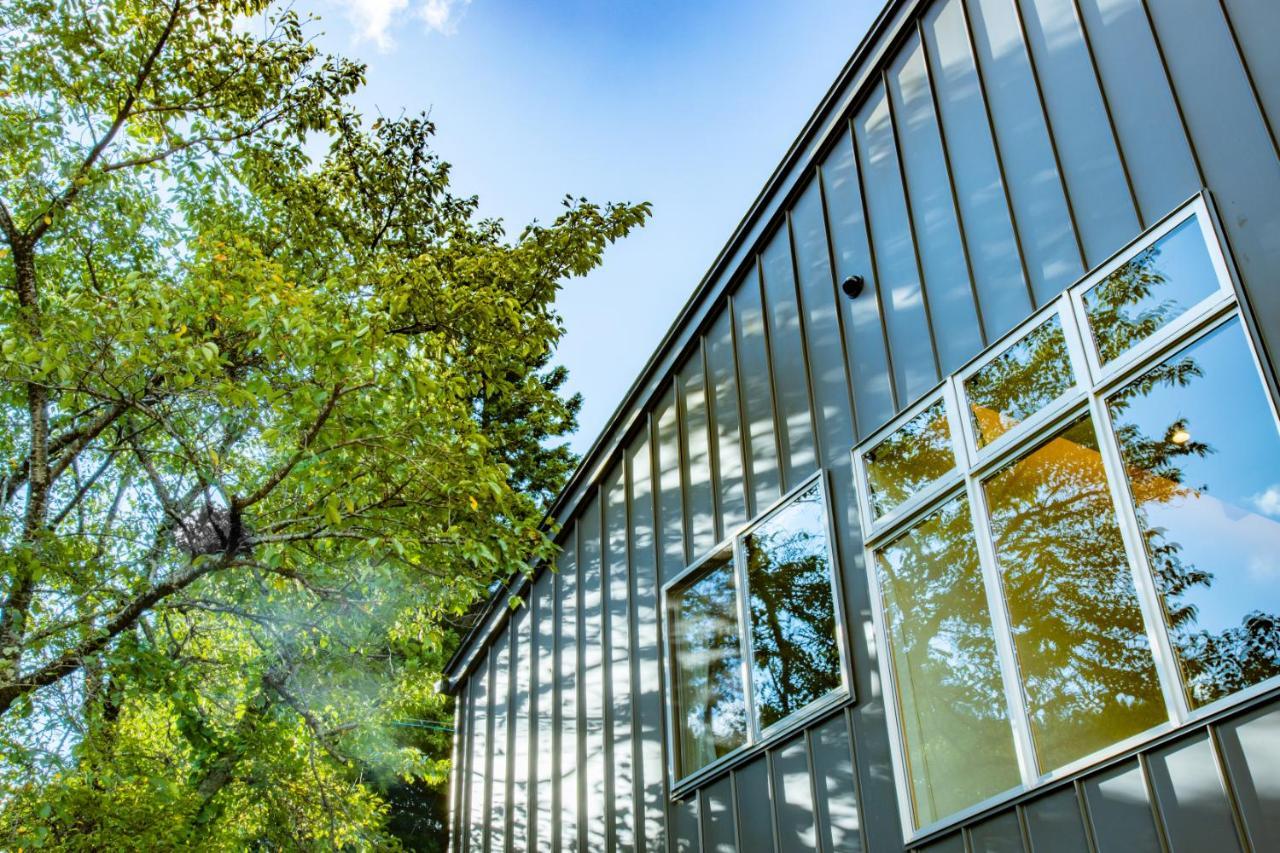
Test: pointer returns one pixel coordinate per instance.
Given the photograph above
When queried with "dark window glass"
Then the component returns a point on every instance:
(1150, 291)
(711, 709)
(1083, 656)
(910, 458)
(1202, 453)
(951, 701)
(1021, 381)
(793, 623)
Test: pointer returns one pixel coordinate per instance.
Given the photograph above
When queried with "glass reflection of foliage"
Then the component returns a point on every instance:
(793, 625)
(952, 709)
(1202, 453)
(1155, 287)
(1019, 382)
(1084, 659)
(709, 695)
(910, 458)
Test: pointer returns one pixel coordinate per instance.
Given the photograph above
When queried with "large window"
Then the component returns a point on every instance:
(733, 687)
(1076, 540)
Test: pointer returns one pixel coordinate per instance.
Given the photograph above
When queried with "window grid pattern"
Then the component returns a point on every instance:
(979, 458)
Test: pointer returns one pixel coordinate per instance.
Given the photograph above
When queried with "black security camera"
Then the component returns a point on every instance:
(852, 286)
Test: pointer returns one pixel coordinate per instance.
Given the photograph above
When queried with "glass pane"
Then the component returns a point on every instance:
(793, 622)
(951, 702)
(1154, 288)
(1203, 457)
(1083, 655)
(912, 457)
(710, 703)
(1021, 381)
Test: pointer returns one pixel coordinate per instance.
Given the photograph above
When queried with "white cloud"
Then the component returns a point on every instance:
(374, 20)
(1268, 503)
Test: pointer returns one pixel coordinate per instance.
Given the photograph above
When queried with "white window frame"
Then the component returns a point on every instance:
(757, 738)
(1087, 398)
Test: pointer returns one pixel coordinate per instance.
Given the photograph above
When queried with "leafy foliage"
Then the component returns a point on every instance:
(270, 427)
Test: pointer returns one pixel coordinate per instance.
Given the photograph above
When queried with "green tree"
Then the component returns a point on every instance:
(270, 426)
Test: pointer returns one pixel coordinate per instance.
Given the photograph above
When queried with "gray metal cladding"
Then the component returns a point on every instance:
(985, 156)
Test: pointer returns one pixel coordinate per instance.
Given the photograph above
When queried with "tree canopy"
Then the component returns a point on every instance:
(270, 423)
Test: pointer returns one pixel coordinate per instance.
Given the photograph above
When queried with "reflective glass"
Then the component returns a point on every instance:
(951, 702)
(793, 621)
(909, 459)
(1081, 643)
(1151, 290)
(1019, 382)
(710, 702)
(1202, 453)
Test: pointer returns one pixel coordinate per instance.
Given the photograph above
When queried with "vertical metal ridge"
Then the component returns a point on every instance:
(638, 814)
(819, 844)
(557, 713)
(509, 776)
(744, 427)
(771, 785)
(713, 439)
(911, 221)
(682, 462)
(535, 733)
(580, 681)
(1144, 221)
(1053, 140)
(609, 811)
(660, 618)
(1082, 803)
(1229, 787)
(898, 403)
(842, 334)
(778, 430)
(486, 831)
(1173, 91)
(980, 75)
(1157, 813)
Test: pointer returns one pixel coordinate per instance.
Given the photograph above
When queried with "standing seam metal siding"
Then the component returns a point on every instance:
(987, 154)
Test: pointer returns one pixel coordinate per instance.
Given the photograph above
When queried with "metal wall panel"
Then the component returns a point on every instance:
(565, 836)
(943, 260)
(866, 349)
(1120, 813)
(478, 837)
(545, 763)
(915, 367)
(648, 729)
(1096, 176)
(999, 834)
(1251, 752)
(1255, 24)
(522, 735)
(500, 751)
(753, 804)
(755, 382)
(699, 492)
(722, 373)
(996, 257)
(1191, 798)
(1236, 150)
(591, 648)
(1146, 118)
(786, 349)
(719, 824)
(670, 501)
(835, 783)
(1055, 823)
(793, 797)
(620, 769)
(1049, 244)
(685, 833)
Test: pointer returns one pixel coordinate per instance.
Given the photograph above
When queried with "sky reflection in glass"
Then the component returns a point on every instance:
(1202, 453)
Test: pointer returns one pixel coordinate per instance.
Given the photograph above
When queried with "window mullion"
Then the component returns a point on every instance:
(1024, 748)
(1175, 698)
(744, 631)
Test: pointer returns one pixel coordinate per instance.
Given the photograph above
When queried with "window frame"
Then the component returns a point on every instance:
(1095, 381)
(758, 738)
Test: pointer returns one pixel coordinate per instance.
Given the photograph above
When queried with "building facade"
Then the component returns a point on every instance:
(947, 514)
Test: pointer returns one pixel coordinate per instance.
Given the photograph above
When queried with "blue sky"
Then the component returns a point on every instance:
(688, 105)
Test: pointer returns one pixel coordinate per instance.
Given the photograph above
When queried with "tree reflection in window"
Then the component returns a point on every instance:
(1146, 293)
(1019, 382)
(1202, 454)
(907, 461)
(709, 695)
(1083, 656)
(793, 622)
(951, 702)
